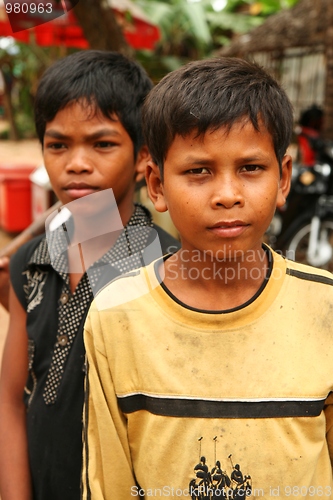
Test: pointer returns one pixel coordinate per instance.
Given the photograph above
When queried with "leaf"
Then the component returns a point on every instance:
(197, 18)
(239, 23)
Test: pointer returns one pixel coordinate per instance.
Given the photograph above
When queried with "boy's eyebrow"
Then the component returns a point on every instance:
(258, 157)
(197, 160)
(55, 134)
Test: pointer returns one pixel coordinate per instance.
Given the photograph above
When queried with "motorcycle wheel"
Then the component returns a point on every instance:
(296, 248)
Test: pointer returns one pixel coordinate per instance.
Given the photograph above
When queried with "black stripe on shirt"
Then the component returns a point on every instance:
(176, 407)
(310, 277)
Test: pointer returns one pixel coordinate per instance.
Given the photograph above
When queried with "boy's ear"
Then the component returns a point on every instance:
(141, 163)
(285, 179)
(155, 186)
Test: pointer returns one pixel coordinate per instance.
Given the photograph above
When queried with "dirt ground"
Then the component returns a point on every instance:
(25, 151)
(12, 152)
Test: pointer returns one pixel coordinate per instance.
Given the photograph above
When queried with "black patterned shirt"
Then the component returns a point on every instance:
(55, 318)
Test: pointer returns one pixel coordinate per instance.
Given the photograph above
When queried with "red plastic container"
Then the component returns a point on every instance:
(15, 197)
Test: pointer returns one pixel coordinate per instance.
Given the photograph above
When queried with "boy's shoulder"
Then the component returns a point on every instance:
(308, 273)
(25, 253)
(169, 244)
(314, 282)
(29, 256)
(126, 288)
(306, 291)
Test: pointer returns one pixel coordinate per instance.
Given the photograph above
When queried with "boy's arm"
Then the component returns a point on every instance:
(328, 409)
(15, 479)
(4, 281)
(107, 469)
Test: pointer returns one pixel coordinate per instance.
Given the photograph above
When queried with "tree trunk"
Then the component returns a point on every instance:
(100, 26)
(328, 107)
(8, 108)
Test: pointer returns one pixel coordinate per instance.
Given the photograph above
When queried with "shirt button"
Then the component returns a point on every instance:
(64, 297)
(62, 340)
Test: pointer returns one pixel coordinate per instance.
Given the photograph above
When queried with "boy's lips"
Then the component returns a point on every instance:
(229, 229)
(79, 189)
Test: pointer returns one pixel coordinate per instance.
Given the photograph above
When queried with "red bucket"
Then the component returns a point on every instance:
(15, 197)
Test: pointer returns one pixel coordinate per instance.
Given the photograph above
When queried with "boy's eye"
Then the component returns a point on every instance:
(55, 145)
(198, 171)
(251, 168)
(105, 144)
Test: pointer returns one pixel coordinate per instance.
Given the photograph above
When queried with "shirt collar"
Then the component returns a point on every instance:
(141, 217)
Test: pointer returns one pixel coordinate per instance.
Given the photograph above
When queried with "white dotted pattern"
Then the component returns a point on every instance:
(125, 255)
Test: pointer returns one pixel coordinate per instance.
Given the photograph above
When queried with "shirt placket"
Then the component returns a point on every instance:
(72, 308)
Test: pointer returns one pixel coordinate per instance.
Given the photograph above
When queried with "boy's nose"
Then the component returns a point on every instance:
(79, 162)
(227, 194)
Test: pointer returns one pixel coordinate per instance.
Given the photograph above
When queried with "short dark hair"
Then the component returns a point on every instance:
(109, 81)
(212, 93)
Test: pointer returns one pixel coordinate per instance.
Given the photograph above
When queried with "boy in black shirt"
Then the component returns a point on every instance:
(88, 119)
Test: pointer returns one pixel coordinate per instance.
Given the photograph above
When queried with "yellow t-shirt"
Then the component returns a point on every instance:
(182, 402)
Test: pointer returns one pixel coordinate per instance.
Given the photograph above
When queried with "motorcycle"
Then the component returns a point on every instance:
(303, 229)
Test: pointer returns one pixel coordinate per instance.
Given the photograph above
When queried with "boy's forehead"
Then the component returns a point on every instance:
(225, 128)
(89, 109)
(81, 112)
(82, 122)
(242, 140)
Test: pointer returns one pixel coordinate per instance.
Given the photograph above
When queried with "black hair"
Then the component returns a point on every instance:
(108, 81)
(213, 93)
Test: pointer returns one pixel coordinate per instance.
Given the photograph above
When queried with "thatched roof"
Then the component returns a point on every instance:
(304, 25)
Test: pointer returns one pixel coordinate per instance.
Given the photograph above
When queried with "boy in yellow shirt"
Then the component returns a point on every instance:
(215, 381)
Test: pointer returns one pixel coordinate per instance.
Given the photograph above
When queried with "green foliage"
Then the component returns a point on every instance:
(185, 31)
(190, 29)
(22, 65)
(193, 29)
(20, 68)
(240, 23)
(265, 7)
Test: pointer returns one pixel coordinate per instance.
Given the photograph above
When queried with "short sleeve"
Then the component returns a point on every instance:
(18, 265)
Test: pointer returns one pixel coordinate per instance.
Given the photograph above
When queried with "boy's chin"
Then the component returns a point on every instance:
(95, 214)
(101, 203)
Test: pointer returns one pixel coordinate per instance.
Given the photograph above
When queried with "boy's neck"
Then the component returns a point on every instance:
(104, 220)
(218, 285)
(82, 254)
